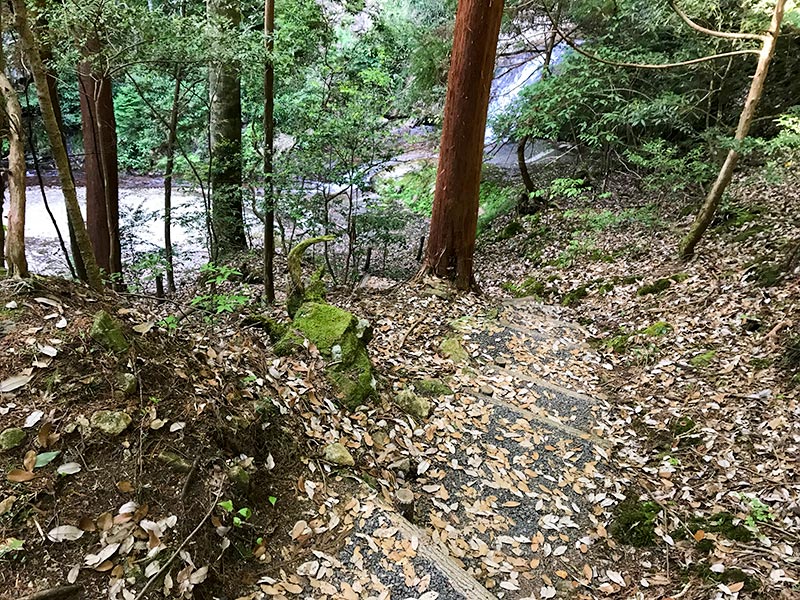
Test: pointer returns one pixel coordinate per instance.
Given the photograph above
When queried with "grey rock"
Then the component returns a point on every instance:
(413, 404)
(11, 438)
(401, 466)
(380, 438)
(338, 455)
(108, 332)
(127, 384)
(112, 422)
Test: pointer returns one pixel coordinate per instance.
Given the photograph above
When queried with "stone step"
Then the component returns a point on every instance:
(567, 406)
(513, 495)
(381, 556)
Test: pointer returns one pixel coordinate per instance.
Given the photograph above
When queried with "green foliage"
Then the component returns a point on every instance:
(667, 167)
(580, 247)
(413, 190)
(496, 199)
(591, 219)
(215, 302)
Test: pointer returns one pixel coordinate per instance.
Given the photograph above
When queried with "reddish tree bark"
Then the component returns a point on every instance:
(102, 177)
(454, 221)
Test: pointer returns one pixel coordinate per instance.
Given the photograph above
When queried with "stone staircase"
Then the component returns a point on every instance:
(511, 478)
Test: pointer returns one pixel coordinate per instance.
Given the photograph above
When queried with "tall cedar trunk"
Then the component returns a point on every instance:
(172, 138)
(3, 134)
(31, 52)
(226, 142)
(15, 239)
(99, 130)
(709, 207)
(269, 149)
(454, 220)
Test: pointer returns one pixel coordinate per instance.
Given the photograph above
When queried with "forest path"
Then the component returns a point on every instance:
(511, 476)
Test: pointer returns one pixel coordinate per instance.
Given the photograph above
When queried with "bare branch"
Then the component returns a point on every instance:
(628, 65)
(713, 32)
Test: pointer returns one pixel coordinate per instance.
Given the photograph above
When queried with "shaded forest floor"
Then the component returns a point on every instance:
(219, 463)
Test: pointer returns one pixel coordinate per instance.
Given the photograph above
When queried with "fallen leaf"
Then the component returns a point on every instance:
(65, 533)
(15, 382)
(69, 468)
(19, 476)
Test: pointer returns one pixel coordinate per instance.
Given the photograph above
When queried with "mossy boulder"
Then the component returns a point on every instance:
(413, 404)
(342, 338)
(337, 454)
(111, 422)
(453, 349)
(108, 332)
(11, 438)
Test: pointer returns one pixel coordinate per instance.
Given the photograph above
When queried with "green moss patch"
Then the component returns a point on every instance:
(529, 287)
(658, 286)
(432, 388)
(702, 360)
(658, 328)
(634, 522)
(342, 338)
(575, 296)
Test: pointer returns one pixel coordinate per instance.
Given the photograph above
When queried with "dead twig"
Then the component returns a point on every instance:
(188, 482)
(167, 564)
(410, 329)
(56, 592)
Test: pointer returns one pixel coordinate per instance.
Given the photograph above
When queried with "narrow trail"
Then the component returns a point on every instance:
(511, 476)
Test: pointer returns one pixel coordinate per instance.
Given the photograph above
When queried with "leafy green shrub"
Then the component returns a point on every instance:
(599, 220)
(414, 190)
(668, 168)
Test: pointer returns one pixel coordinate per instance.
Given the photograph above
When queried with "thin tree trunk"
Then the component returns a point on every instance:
(37, 168)
(31, 52)
(226, 142)
(523, 165)
(709, 207)
(269, 150)
(454, 221)
(172, 137)
(46, 55)
(15, 239)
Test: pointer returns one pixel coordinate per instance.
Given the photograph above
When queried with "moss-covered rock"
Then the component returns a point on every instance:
(127, 383)
(575, 296)
(432, 388)
(513, 228)
(658, 329)
(342, 338)
(658, 286)
(11, 438)
(453, 349)
(111, 422)
(108, 332)
(337, 454)
(413, 404)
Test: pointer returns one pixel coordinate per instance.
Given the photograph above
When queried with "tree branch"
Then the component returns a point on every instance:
(713, 32)
(628, 65)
